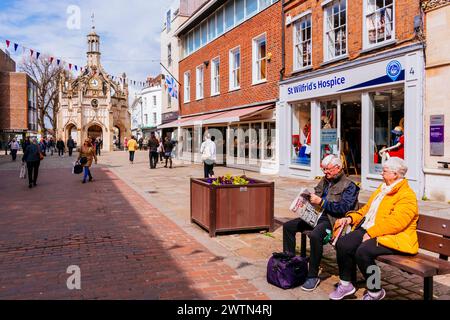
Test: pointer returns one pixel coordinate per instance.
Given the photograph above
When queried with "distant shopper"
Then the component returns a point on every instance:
(25, 144)
(14, 146)
(60, 146)
(141, 143)
(153, 145)
(132, 147)
(33, 157)
(168, 148)
(208, 151)
(70, 146)
(125, 143)
(98, 146)
(86, 156)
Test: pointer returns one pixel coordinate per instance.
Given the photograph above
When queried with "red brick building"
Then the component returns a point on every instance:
(229, 74)
(353, 87)
(18, 101)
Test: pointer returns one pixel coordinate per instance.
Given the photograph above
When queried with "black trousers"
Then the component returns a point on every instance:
(169, 159)
(317, 235)
(70, 152)
(14, 154)
(153, 159)
(60, 152)
(352, 252)
(208, 169)
(98, 151)
(132, 156)
(33, 171)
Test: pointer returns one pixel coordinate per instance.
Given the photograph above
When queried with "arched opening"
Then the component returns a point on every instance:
(95, 132)
(71, 131)
(117, 138)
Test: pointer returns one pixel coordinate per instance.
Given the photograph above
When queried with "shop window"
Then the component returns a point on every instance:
(302, 43)
(255, 141)
(335, 29)
(270, 139)
(379, 21)
(233, 141)
(387, 127)
(244, 141)
(301, 134)
(328, 129)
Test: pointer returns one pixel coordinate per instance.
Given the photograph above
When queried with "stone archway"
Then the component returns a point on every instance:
(117, 137)
(71, 131)
(95, 131)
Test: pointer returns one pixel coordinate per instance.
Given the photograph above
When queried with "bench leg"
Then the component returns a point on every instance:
(303, 246)
(428, 288)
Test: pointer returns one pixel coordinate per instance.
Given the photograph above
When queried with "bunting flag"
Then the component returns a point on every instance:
(8, 43)
(76, 68)
(70, 66)
(16, 46)
(37, 55)
(32, 52)
(51, 60)
(58, 61)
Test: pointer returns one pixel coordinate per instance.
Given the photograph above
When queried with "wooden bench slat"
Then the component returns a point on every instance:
(433, 243)
(434, 225)
(414, 264)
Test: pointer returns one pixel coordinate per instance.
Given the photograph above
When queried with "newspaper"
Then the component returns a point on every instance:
(304, 209)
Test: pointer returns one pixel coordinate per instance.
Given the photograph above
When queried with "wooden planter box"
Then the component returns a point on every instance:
(232, 208)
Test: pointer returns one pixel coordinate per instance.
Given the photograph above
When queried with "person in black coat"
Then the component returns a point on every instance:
(32, 157)
(70, 145)
(60, 146)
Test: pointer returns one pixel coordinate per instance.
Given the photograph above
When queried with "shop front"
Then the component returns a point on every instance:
(362, 111)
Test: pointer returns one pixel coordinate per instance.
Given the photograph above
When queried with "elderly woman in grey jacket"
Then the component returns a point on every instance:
(32, 157)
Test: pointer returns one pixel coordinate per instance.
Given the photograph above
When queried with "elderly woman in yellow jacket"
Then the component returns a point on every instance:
(385, 225)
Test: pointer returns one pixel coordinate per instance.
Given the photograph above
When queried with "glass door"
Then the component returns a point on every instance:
(329, 128)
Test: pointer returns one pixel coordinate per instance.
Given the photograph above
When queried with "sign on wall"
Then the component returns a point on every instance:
(437, 135)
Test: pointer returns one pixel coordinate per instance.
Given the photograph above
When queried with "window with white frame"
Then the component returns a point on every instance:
(154, 100)
(259, 59)
(302, 42)
(187, 87)
(335, 14)
(199, 80)
(169, 54)
(235, 69)
(379, 21)
(215, 77)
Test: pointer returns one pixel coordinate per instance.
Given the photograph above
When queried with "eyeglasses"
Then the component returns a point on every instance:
(329, 169)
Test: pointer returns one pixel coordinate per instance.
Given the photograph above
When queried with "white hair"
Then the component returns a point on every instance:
(396, 165)
(331, 159)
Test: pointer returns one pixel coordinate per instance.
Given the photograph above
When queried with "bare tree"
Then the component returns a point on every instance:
(47, 76)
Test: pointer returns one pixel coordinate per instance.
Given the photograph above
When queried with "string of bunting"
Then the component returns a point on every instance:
(60, 62)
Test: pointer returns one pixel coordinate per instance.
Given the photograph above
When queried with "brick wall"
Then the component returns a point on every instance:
(267, 21)
(405, 11)
(6, 63)
(13, 101)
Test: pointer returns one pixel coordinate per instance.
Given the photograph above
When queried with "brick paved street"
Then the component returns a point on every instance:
(131, 235)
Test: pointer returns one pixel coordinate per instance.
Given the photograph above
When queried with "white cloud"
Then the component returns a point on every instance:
(129, 31)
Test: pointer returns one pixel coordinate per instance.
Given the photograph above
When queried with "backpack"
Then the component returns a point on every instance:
(206, 155)
(286, 270)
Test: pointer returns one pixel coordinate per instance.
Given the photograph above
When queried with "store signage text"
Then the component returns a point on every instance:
(314, 85)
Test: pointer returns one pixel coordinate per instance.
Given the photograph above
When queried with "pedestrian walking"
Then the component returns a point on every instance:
(98, 146)
(86, 156)
(153, 145)
(141, 143)
(43, 146)
(168, 148)
(25, 144)
(132, 147)
(51, 145)
(161, 150)
(14, 146)
(32, 157)
(61, 147)
(208, 152)
(70, 145)
(125, 143)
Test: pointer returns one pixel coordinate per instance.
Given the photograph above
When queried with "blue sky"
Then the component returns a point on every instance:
(129, 31)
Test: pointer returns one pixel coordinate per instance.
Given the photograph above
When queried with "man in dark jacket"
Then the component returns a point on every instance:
(336, 195)
(153, 145)
(32, 157)
(70, 145)
(60, 146)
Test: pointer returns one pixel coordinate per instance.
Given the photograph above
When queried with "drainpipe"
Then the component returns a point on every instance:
(283, 32)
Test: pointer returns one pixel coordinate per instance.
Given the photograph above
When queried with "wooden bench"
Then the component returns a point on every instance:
(434, 236)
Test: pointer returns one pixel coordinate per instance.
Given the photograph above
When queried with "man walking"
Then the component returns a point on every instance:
(132, 147)
(98, 146)
(153, 145)
(14, 148)
(60, 146)
(70, 145)
(208, 151)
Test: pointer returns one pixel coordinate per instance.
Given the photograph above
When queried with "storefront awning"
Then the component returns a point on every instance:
(172, 124)
(236, 115)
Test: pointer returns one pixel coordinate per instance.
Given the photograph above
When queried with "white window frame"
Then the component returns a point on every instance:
(326, 55)
(215, 77)
(255, 59)
(200, 85)
(366, 42)
(232, 71)
(295, 26)
(187, 87)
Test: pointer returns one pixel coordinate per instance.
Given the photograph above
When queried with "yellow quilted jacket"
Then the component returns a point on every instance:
(396, 220)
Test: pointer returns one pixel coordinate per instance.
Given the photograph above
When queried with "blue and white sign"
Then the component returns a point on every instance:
(352, 79)
(393, 70)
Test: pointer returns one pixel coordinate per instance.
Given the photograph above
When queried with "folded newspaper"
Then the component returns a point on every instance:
(305, 210)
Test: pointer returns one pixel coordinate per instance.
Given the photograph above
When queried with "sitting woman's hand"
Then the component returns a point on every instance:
(343, 221)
